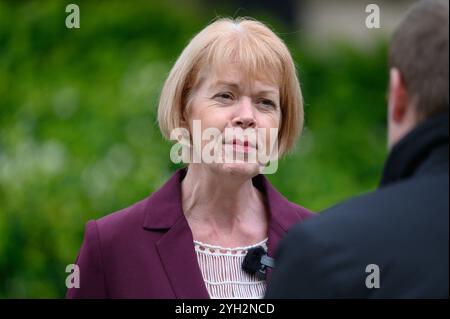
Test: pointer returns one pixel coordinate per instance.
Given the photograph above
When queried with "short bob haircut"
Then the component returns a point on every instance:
(260, 53)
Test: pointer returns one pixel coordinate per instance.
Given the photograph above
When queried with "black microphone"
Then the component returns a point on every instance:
(256, 262)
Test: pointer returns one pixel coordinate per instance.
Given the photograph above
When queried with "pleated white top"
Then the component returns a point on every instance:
(223, 275)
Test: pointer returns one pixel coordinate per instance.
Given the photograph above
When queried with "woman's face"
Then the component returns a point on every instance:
(230, 103)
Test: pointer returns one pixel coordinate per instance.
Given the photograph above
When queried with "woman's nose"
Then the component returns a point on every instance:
(244, 115)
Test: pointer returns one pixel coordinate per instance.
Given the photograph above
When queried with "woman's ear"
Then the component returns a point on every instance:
(184, 119)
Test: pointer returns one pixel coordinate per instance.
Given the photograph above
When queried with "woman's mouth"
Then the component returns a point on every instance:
(242, 146)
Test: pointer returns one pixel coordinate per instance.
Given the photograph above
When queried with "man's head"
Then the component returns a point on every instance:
(418, 61)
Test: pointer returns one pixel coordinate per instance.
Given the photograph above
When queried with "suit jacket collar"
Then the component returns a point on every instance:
(418, 147)
(164, 212)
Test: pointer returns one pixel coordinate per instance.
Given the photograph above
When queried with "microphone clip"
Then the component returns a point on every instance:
(256, 262)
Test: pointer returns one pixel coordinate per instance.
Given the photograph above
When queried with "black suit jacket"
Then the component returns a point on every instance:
(402, 228)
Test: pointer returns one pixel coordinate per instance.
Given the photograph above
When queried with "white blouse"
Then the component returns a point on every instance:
(223, 275)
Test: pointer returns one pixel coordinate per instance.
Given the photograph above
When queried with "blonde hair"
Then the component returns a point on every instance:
(257, 49)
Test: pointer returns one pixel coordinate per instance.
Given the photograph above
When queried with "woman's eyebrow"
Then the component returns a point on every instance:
(268, 92)
(224, 83)
(235, 86)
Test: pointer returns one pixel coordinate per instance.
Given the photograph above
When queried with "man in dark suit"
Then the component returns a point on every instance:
(393, 242)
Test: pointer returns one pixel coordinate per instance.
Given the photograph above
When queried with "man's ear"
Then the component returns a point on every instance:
(398, 96)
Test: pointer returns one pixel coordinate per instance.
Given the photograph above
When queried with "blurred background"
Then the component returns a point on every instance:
(78, 132)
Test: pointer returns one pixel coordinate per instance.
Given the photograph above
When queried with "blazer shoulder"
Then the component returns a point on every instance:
(131, 217)
(302, 212)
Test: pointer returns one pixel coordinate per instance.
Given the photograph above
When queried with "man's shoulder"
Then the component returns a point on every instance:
(409, 203)
(395, 200)
(402, 228)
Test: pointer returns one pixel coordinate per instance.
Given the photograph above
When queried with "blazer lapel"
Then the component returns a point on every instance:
(176, 246)
(176, 250)
(282, 215)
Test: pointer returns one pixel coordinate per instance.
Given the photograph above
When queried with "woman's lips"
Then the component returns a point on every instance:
(242, 146)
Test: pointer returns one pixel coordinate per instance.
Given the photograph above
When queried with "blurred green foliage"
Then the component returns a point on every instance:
(78, 133)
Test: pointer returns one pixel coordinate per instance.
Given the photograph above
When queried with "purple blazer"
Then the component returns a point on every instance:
(147, 250)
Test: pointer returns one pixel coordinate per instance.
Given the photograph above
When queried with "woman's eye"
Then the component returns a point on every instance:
(224, 96)
(267, 103)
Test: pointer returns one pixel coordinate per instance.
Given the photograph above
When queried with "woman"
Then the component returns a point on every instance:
(189, 238)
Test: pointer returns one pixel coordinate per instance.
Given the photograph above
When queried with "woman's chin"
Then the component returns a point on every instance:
(243, 169)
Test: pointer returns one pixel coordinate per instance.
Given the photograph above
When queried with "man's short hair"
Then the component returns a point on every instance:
(419, 50)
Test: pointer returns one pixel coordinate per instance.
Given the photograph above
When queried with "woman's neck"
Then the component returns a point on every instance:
(223, 209)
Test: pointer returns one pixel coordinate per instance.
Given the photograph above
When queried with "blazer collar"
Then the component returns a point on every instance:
(164, 207)
(164, 212)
